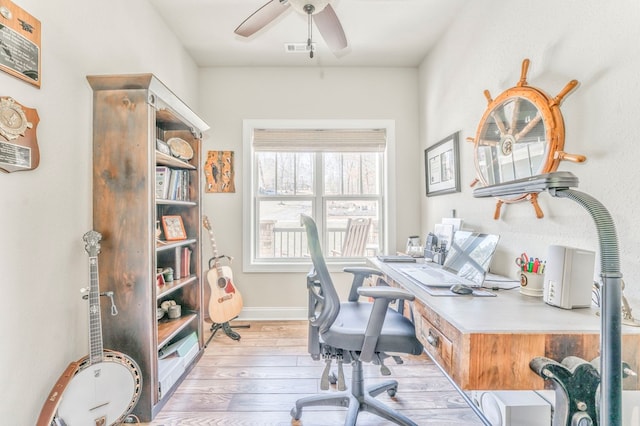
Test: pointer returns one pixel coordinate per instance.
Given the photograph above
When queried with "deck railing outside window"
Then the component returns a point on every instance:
(292, 242)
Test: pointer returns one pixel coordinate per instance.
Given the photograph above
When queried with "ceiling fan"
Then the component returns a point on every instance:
(318, 11)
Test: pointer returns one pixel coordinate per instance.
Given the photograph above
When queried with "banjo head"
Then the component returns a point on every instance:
(103, 393)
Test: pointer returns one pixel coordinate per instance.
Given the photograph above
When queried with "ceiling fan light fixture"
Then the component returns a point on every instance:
(301, 6)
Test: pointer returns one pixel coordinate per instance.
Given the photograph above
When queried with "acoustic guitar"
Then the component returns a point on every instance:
(102, 388)
(225, 301)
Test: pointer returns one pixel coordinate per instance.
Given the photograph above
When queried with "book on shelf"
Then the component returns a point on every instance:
(162, 181)
(178, 185)
(172, 184)
(182, 265)
(177, 268)
(186, 262)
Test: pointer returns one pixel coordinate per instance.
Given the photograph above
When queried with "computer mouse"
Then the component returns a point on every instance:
(461, 289)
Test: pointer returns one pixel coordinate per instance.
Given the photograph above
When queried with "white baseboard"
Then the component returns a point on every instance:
(272, 314)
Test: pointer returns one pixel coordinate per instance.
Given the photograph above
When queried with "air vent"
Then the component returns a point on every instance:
(298, 47)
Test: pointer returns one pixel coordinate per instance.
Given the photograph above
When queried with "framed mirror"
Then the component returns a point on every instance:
(520, 134)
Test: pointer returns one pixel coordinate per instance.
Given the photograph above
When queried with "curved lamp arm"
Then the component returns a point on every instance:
(558, 184)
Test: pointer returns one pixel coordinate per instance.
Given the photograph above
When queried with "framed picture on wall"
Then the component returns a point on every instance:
(442, 166)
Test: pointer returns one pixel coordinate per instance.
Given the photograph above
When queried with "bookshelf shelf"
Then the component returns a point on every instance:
(170, 328)
(176, 284)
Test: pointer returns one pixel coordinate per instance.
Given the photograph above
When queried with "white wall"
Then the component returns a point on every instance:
(230, 95)
(591, 41)
(45, 212)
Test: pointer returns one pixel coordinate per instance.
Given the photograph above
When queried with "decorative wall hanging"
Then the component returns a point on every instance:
(20, 41)
(18, 144)
(521, 134)
(442, 166)
(218, 171)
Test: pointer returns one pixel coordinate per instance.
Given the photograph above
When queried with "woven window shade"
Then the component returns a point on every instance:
(314, 140)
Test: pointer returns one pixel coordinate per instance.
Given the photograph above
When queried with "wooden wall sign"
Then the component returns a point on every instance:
(218, 171)
(18, 144)
(19, 43)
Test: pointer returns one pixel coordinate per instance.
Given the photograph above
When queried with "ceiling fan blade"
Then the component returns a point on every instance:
(261, 17)
(329, 26)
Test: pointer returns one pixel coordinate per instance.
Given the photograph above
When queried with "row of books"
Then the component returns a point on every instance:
(182, 268)
(172, 184)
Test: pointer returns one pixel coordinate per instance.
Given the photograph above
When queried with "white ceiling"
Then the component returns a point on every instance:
(379, 32)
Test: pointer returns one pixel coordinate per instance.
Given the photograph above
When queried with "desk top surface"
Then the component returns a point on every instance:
(508, 312)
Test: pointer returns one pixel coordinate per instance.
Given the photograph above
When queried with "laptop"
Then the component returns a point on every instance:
(466, 263)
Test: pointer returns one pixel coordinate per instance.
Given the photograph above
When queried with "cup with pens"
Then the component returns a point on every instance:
(531, 275)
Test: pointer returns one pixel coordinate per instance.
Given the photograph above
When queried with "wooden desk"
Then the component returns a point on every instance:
(486, 343)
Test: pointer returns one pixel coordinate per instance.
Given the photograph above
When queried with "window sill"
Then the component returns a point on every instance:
(303, 266)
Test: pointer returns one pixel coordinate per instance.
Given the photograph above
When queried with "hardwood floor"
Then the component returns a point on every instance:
(255, 381)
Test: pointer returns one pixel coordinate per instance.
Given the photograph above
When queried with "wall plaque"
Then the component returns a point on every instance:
(219, 172)
(19, 43)
(18, 144)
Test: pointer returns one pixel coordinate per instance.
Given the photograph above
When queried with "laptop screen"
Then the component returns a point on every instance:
(470, 255)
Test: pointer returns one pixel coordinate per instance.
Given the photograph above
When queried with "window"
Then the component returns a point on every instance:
(333, 174)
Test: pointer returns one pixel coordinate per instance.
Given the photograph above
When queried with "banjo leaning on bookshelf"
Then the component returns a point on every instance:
(102, 388)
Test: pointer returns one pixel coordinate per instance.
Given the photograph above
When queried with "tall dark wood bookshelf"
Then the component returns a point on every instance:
(130, 113)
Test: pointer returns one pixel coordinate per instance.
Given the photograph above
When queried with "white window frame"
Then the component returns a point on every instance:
(250, 263)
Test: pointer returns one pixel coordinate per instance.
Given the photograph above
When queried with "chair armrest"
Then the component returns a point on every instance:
(382, 295)
(385, 292)
(359, 274)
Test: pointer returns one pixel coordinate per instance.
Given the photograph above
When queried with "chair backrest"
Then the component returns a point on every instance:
(330, 303)
(355, 240)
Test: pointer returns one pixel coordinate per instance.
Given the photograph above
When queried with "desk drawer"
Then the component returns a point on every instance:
(435, 342)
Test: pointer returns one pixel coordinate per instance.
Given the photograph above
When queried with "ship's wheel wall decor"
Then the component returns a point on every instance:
(521, 134)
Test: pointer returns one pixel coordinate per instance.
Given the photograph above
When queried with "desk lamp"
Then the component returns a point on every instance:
(558, 184)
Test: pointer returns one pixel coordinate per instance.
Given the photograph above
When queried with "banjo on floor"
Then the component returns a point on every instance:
(102, 388)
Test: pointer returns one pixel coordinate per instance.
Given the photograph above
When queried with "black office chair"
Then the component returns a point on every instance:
(354, 332)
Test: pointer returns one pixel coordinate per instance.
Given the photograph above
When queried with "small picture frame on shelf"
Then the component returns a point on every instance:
(163, 147)
(160, 280)
(173, 228)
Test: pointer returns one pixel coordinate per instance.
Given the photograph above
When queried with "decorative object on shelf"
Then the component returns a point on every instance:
(105, 386)
(18, 124)
(175, 311)
(180, 148)
(442, 166)
(160, 278)
(521, 134)
(173, 228)
(20, 35)
(167, 304)
(163, 147)
(168, 274)
(219, 172)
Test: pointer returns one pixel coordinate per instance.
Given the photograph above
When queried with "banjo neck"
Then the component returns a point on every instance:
(92, 239)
